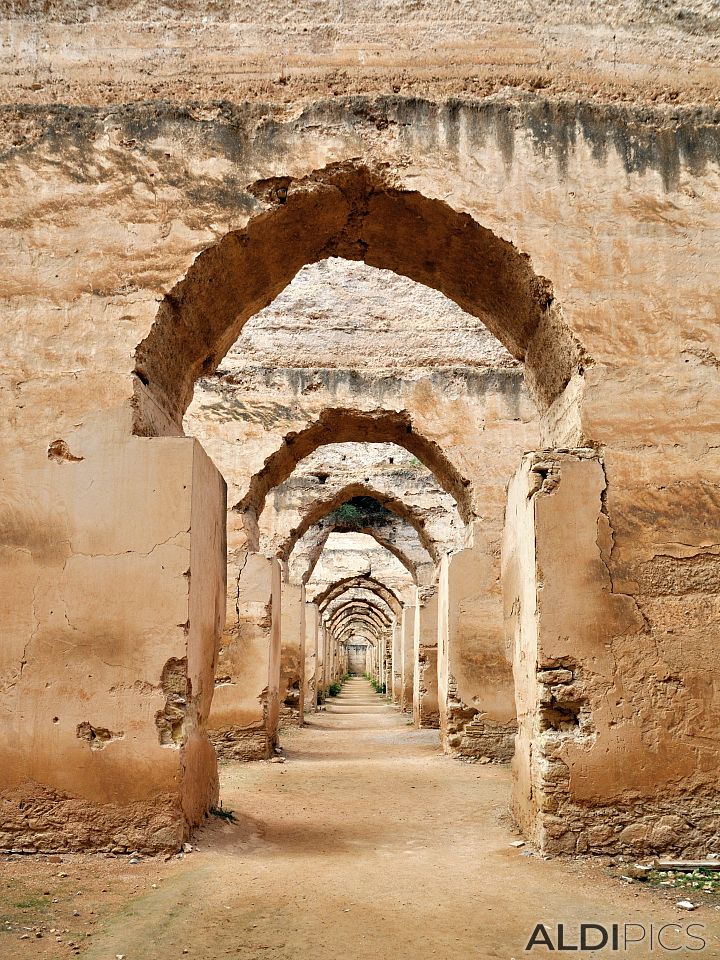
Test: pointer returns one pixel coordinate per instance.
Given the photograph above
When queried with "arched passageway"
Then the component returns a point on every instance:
(556, 624)
(356, 216)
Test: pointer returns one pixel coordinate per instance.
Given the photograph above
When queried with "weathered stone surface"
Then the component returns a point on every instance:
(292, 655)
(300, 53)
(425, 667)
(566, 202)
(606, 745)
(245, 711)
(141, 644)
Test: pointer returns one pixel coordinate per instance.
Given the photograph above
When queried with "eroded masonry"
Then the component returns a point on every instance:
(419, 387)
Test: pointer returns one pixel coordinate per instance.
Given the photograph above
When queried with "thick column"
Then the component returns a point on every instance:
(311, 656)
(407, 655)
(388, 652)
(292, 654)
(320, 682)
(397, 672)
(107, 657)
(590, 772)
(425, 679)
(475, 685)
(244, 717)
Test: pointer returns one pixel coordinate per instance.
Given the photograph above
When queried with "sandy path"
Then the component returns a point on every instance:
(368, 843)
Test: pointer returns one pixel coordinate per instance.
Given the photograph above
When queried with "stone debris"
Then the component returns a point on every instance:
(712, 863)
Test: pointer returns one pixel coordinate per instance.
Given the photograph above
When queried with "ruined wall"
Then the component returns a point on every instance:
(407, 654)
(309, 49)
(104, 702)
(312, 665)
(613, 752)
(105, 208)
(243, 720)
(357, 658)
(425, 667)
(476, 696)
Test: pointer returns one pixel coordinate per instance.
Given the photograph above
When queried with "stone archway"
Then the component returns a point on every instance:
(167, 671)
(322, 507)
(357, 216)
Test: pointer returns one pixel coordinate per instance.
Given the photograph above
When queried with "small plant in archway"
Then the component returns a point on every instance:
(360, 512)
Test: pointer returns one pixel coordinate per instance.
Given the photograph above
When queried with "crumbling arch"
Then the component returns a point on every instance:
(342, 425)
(362, 593)
(344, 210)
(358, 631)
(321, 508)
(323, 533)
(360, 606)
(360, 610)
(357, 625)
(316, 485)
(386, 593)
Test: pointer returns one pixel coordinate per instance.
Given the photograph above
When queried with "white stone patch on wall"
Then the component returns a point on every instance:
(338, 313)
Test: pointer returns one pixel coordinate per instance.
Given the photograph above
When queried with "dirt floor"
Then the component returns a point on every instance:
(366, 843)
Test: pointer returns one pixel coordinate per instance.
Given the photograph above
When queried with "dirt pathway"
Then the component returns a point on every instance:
(368, 843)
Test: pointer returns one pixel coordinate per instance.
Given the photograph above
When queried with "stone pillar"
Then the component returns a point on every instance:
(243, 721)
(475, 685)
(397, 674)
(327, 658)
(425, 678)
(320, 670)
(311, 656)
(107, 659)
(292, 654)
(407, 656)
(387, 648)
(582, 777)
(335, 659)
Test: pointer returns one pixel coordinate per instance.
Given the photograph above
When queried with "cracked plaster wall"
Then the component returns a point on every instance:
(617, 747)
(104, 210)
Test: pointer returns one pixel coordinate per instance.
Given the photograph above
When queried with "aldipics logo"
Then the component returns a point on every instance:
(617, 937)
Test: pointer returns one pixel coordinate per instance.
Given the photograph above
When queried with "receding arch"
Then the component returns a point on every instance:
(321, 508)
(346, 425)
(351, 620)
(357, 612)
(356, 630)
(348, 583)
(344, 210)
(359, 596)
(410, 565)
(356, 608)
(349, 633)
